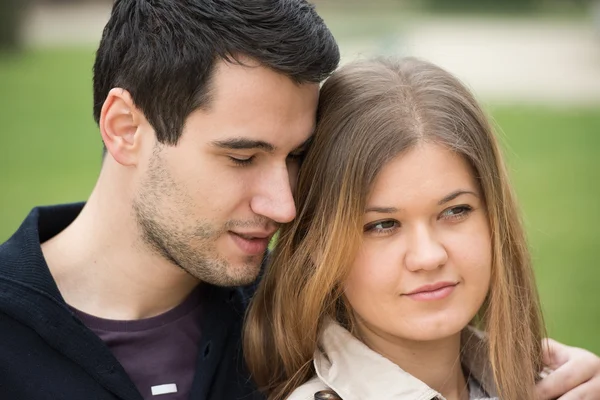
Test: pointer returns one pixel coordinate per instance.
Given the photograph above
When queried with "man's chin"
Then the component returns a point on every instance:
(244, 273)
(234, 273)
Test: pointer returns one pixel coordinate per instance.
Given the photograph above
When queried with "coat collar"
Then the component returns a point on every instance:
(356, 372)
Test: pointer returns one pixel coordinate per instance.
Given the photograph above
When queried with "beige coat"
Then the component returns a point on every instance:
(355, 372)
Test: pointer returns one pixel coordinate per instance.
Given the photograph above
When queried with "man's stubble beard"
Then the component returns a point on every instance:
(190, 246)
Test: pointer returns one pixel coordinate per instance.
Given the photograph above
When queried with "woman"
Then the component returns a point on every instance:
(406, 248)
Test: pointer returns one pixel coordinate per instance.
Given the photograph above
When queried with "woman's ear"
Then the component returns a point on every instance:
(120, 121)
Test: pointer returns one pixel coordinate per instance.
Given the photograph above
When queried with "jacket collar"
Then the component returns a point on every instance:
(29, 294)
(21, 258)
(356, 372)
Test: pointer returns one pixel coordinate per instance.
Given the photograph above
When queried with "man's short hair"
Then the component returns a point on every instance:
(163, 52)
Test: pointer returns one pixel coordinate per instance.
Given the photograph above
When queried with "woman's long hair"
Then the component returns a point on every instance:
(369, 113)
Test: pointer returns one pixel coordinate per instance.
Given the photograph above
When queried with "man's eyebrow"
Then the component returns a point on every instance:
(244, 144)
(382, 210)
(454, 195)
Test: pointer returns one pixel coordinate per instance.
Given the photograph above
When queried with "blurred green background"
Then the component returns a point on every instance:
(50, 149)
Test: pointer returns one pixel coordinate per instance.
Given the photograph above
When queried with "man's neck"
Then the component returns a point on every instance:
(103, 268)
(436, 363)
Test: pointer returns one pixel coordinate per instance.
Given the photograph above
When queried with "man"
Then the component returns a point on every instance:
(205, 109)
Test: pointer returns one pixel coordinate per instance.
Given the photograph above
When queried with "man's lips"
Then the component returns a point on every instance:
(436, 291)
(252, 243)
(255, 235)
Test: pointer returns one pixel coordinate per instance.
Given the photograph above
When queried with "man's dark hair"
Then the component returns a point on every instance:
(163, 52)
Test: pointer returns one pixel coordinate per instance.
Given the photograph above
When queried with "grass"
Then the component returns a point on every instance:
(50, 153)
(50, 146)
(553, 155)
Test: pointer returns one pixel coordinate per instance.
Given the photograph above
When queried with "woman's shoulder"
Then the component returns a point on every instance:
(307, 391)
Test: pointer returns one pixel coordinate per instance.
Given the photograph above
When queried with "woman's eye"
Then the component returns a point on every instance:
(241, 161)
(457, 212)
(382, 226)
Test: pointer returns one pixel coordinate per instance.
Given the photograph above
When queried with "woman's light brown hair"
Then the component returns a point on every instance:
(369, 113)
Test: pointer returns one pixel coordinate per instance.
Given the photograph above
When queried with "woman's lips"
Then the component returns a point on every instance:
(437, 291)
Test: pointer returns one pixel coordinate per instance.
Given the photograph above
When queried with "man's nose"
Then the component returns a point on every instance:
(273, 198)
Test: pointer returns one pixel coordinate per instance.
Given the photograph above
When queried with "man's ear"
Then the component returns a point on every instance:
(120, 121)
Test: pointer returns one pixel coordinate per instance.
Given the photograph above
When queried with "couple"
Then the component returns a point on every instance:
(400, 271)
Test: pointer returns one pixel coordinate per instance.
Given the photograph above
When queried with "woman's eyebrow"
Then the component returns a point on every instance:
(456, 194)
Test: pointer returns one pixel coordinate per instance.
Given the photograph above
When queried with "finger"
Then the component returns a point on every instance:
(588, 391)
(554, 353)
(562, 380)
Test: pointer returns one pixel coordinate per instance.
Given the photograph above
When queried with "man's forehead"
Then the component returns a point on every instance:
(254, 107)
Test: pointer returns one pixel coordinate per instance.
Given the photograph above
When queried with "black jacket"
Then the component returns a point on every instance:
(46, 353)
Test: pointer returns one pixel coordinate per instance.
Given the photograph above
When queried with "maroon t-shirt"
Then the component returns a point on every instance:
(158, 353)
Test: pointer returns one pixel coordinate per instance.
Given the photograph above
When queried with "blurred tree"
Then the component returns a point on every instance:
(11, 17)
